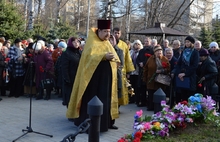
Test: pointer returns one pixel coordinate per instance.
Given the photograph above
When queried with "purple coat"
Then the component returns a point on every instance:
(43, 59)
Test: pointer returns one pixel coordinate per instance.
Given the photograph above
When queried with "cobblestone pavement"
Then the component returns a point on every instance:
(49, 117)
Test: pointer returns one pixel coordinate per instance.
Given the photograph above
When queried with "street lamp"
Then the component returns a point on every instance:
(87, 28)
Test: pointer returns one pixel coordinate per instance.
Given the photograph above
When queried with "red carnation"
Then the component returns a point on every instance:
(121, 140)
(7, 59)
(147, 55)
(136, 140)
(30, 55)
(200, 85)
(184, 102)
(164, 64)
(138, 135)
(41, 69)
(183, 125)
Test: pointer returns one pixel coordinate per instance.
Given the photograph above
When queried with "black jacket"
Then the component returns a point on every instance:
(69, 62)
(143, 58)
(208, 70)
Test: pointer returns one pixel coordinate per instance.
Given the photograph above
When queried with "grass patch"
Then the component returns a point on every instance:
(203, 132)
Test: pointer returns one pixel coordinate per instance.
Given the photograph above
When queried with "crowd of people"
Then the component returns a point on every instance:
(25, 63)
(106, 67)
(191, 68)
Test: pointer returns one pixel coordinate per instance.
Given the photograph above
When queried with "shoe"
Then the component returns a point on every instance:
(17, 96)
(150, 109)
(131, 102)
(0, 99)
(39, 97)
(47, 98)
(71, 119)
(10, 95)
(141, 105)
(113, 127)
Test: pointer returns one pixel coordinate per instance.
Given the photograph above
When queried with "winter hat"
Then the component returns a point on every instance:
(191, 39)
(50, 46)
(38, 46)
(156, 48)
(203, 52)
(62, 45)
(24, 42)
(56, 40)
(213, 44)
(138, 42)
(30, 46)
(17, 40)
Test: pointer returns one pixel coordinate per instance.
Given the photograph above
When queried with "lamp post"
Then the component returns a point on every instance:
(31, 15)
(128, 19)
(87, 28)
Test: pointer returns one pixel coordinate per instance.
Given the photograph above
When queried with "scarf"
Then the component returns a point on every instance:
(187, 55)
(159, 64)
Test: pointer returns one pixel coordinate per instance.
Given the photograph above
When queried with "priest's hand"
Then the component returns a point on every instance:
(109, 56)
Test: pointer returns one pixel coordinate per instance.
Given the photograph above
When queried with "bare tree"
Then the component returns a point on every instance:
(129, 15)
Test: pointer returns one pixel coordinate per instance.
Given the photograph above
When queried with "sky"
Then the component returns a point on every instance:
(216, 7)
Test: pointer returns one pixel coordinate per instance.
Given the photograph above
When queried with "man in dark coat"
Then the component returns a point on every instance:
(176, 49)
(207, 72)
(144, 54)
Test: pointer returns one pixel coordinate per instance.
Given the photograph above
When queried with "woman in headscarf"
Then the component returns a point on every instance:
(214, 52)
(186, 70)
(156, 64)
(69, 62)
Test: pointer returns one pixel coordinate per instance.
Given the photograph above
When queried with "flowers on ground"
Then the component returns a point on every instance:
(198, 108)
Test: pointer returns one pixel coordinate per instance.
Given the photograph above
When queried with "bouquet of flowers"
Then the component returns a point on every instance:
(160, 124)
(164, 65)
(147, 54)
(41, 69)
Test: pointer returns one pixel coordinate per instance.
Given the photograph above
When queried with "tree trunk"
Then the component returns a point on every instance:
(25, 14)
(128, 19)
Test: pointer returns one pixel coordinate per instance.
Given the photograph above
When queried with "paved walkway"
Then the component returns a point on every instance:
(49, 117)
